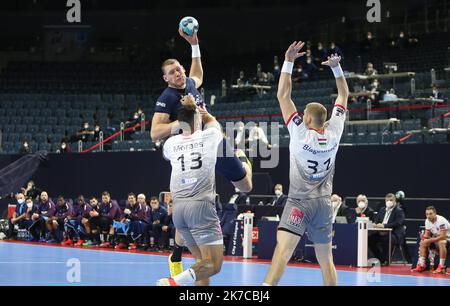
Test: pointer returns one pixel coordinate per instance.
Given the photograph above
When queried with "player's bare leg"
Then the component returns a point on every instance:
(324, 256)
(246, 184)
(286, 244)
(209, 262)
(175, 262)
(442, 256)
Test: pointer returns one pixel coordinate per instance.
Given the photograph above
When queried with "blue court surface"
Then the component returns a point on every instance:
(27, 264)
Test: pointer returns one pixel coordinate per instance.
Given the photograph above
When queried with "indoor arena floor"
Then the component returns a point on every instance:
(34, 264)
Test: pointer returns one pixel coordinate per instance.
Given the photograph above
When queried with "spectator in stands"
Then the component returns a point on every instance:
(334, 49)
(321, 53)
(134, 218)
(309, 68)
(369, 42)
(97, 130)
(435, 238)
(109, 211)
(31, 190)
(55, 224)
(167, 228)
(167, 197)
(24, 148)
(370, 70)
(390, 216)
(241, 81)
(280, 198)
(155, 219)
(401, 41)
(362, 209)
(436, 94)
(86, 133)
(64, 147)
(90, 223)
(339, 208)
(257, 134)
(45, 209)
(75, 226)
(21, 215)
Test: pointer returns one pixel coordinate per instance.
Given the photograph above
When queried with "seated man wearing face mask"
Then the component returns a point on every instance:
(362, 209)
(390, 216)
(280, 198)
(339, 208)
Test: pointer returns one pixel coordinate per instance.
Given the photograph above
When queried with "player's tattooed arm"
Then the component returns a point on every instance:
(341, 83)
(196, 72)
(285, 83)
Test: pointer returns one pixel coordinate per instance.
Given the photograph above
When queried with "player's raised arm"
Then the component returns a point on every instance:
(341, 83)
(285, 84)
(196, 72)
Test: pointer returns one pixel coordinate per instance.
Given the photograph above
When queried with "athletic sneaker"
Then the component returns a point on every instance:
(79, 243)
(132, 246)
(105, 244)
(89, 243)
(175, 267)
(67, 242)
(439, 270)
(419, 268)
(121, 246)
(166, 282)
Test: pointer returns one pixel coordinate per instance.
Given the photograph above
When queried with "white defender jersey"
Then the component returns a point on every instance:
(435, 228)
(193, 160)
(312, 155)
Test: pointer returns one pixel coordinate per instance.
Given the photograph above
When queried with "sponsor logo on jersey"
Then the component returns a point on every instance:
(442, 227)
(295, 217)
(297, 120)
(339, 111)
(187, 181)
(161, 104)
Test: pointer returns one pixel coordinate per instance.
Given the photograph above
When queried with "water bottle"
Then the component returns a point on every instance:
(247, 201)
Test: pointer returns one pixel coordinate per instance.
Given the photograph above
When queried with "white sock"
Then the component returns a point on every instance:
(422, 261)
(442, 261)
(266, 284)
(186, 277)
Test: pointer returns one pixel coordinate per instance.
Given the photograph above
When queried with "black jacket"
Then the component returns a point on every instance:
(281, 201)
(396, 221)
(369, 213)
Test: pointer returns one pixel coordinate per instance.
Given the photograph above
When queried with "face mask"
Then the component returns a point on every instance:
(25, 145)
(278, 192)
(361, 204)
(389, 204)
(335, 204)
(21, 201)
(29, 205)
(63, 146)
(236, 190)
(86, 126)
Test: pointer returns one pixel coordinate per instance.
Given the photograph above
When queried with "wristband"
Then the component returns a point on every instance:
(287, 67)
(337, 71)
(195, 51)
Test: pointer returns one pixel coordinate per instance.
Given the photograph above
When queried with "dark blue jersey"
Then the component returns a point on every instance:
(169, 101)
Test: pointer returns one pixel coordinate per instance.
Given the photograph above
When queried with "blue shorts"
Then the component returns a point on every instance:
(230, 167)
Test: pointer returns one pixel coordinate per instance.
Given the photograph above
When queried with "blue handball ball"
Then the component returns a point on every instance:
(189, 25)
